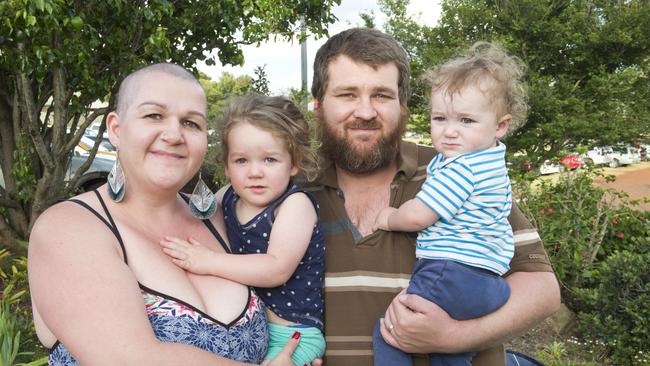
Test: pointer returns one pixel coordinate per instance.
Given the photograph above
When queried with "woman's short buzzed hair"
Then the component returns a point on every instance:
(128, 83)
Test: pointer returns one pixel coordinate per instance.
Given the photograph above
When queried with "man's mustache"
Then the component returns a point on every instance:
(364, 124)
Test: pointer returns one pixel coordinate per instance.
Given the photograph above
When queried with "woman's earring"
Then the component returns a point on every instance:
(203, 202)
(115, 184)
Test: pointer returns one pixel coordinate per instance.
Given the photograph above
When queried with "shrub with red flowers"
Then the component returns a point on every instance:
(588, 231)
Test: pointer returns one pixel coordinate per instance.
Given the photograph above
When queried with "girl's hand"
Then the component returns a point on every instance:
(189, 255)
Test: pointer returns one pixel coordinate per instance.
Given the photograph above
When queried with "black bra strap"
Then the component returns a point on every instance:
(110, 223)
(92, 210)
(211, 227)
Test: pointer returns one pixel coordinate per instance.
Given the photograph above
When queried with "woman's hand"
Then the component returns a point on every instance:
(284, 357)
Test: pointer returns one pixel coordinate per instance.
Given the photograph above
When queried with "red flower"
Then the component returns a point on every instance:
(549, 211)
(585, 254)
(614, 221)
(620, 235)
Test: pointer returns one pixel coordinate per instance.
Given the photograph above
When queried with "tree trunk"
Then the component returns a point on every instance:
(8, 239)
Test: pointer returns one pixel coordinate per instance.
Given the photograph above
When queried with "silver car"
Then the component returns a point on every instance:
(92, 178)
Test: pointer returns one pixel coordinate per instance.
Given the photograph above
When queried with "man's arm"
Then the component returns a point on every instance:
(420, 326)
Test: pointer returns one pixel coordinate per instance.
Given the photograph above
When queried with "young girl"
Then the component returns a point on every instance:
(265, 142)
(465, 242)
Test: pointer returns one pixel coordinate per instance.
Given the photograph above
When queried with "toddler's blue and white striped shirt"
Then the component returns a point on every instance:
(472, 196)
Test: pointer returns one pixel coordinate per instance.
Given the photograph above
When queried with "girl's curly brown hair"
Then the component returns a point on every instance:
(282, 118)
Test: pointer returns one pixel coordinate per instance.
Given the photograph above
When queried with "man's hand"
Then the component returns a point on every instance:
(416, 325)
(381, 222)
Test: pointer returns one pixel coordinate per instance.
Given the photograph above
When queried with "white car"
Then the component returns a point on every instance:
(549, 168)
(624, 155)
(598, 156)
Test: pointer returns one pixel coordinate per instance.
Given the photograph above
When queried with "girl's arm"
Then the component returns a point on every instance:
(89, 299)
(290, 236)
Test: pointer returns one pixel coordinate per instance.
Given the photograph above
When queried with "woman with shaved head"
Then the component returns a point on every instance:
(103, 291)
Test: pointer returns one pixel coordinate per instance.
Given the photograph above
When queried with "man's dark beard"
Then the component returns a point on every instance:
(361, 161)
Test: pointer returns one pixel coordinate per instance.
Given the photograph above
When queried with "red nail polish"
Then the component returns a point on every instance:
(296, 335)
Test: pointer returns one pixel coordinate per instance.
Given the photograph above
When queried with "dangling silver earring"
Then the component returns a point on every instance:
(203, 202)
(115, 186)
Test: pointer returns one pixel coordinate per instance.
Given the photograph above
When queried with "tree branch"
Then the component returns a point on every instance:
(6, 128)
(81, 130)
(29, 115)
(60, 115)
(86, 164)
(6, 202)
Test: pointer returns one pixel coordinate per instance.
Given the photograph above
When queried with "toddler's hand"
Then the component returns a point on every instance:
(189, 255)
(381, 222)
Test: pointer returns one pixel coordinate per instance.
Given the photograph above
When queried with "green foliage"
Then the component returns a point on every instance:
(16, 327)
(553, 352)
(598, 243)
(301, 98)
(615, 308)
(573, 216)
(368, 19)
(588, 64)
(563, 353)
(23, 171)
(218, 93)
(261, 81)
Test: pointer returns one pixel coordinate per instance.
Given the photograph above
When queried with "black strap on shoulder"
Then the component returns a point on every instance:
(92, 210)
(210, 227)
(109, 223)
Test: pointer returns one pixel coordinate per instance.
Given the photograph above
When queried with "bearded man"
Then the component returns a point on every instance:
(361, 88)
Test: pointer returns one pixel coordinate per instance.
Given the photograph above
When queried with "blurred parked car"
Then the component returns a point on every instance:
(92, 178)
(572, 161)
(106, 149)
(598, 156)
(624, 155)
(548, 167)
(96, 174)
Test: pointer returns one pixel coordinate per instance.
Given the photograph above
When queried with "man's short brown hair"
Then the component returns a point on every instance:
(364, 45)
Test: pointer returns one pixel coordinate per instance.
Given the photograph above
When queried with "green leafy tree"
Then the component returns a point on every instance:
(58, 57)
(588, 64)
(218, 92)
(261, 81)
